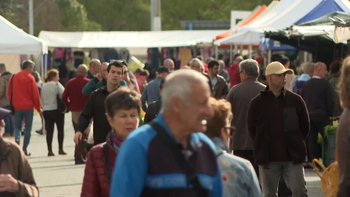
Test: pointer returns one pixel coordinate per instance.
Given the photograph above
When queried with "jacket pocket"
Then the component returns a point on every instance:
(291, 120)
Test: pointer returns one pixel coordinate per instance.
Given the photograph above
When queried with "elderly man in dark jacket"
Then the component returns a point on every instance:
(278, 122)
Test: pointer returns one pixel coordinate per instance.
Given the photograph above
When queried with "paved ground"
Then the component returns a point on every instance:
(58, 176)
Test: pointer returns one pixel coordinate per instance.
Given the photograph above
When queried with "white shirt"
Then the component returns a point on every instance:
(48, 95)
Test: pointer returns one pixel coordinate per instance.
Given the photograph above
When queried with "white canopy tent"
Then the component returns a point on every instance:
(129, 39)
(281, 16)
(15, 41)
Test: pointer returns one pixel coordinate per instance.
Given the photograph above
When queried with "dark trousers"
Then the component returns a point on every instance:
(80, 149)
(316, 126)
(51, 117)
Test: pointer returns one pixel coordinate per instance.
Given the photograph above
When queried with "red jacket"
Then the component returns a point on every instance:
(73, 96)
(25, 92)
(233, 71)
(95, 181)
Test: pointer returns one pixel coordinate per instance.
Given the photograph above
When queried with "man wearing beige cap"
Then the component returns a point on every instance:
(278, 122)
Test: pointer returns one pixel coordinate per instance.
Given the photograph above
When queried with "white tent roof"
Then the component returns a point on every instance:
(281, 16)
(129, 39)
(16, 41)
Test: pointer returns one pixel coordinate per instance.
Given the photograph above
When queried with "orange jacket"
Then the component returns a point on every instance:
(25, 92)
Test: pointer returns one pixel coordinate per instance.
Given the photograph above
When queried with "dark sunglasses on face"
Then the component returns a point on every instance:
(230, 129)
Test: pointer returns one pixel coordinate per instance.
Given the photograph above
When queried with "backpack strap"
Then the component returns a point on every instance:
(191, 175)
(107, 164)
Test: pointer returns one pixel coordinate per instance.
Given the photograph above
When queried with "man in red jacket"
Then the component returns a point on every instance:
(75, 100)
(23, 88)
(233, 72)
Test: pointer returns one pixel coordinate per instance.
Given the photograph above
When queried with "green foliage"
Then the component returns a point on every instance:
(328, 130)
(173, 12)
(74, 16)
(8, 7)
(118, 15)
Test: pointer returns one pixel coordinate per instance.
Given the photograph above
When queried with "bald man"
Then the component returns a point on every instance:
(318, 96)
(169, 63)
(74, 99)
(94, 67)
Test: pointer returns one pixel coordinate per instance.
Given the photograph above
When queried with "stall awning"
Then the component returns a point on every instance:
(129, 39)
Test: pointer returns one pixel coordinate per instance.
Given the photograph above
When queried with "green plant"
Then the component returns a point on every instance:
(328, 130)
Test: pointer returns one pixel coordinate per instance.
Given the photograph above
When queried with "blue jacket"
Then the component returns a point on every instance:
(146, 167)
(151, 92)
(238, 175)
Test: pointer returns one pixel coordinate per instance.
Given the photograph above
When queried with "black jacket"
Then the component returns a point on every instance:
(94, 108)
(296, 126)
(152, 111)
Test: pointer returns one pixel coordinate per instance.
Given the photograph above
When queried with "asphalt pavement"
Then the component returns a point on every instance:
(58, 176)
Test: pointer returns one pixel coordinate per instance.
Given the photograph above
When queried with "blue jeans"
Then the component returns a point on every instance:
(27, 115)
(9, 127)
(293, 175)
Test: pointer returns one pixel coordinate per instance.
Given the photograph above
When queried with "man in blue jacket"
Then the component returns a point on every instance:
(146, 166)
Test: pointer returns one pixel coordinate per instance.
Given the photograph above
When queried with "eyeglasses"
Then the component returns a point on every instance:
(240, 72)
(230, 129)
(125, 72)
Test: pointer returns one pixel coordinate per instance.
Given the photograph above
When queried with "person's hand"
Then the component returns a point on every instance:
(99, 76)
(77, 137)
(8, 183)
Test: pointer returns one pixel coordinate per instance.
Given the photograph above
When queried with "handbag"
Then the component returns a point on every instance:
(12, 109)
(329, 177)
(61, 108)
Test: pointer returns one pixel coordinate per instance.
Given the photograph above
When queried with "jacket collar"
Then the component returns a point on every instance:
(267, 90)
(220, 144)
(6, 73)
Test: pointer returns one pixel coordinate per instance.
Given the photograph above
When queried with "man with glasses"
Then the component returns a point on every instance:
(278, 122)
(95, 109)
(240, 97)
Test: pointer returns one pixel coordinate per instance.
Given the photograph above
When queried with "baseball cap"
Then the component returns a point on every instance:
(277, 68)
(163, 69)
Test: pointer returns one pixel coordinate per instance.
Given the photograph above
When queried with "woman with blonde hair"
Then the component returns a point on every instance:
(52, 116)
(238, 174)
(343, 131)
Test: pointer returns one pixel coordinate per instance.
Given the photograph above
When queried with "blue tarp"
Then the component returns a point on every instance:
(269, 44)
(325, 7)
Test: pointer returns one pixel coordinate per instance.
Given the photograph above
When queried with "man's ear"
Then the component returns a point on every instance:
(177, 104)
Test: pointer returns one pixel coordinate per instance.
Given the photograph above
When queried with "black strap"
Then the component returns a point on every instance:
(107, 164)
(12, 88)
(191, 175)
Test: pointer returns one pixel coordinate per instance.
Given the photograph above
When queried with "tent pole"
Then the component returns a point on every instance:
(305, 56)
(250, 51)
(269, 57)
(231, 52)
(241, 49)
(236, 49)
(216, 52)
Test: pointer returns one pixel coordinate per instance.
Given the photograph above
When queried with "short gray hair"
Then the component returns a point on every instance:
(178, 83)
(194, 60)
(27, 63)
(250, 66)
(307, 67)
(221, 63)
(168, 61)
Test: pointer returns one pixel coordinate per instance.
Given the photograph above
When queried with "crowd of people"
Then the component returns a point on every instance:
(206, 129)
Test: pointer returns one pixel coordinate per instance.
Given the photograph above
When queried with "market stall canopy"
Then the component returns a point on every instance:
(129, 39)
(341, 34)
(15, 41)
(282, 15)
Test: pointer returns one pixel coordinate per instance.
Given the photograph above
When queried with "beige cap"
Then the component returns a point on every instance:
(277, 68)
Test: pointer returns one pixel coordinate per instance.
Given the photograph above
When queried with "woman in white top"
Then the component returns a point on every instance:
(51, 115)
